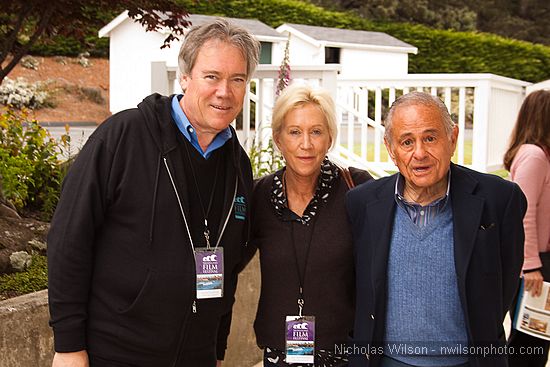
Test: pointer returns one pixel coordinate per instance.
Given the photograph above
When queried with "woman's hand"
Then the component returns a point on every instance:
(533, 282)
(73, 359)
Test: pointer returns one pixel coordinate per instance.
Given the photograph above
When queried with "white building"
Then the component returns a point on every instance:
(134, 53)
(361, 54)
(135, 56)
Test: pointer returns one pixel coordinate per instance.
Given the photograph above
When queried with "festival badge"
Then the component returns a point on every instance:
(209, 266)
(300, 339)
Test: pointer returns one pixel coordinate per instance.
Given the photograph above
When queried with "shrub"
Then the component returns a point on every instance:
(93, 94)
(69, 46)
(19, 93)
(30, 163)
(29, 62)
(33, 279)
(265, 160)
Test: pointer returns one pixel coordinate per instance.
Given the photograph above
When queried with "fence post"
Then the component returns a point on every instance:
(481, 120)
(160, 82)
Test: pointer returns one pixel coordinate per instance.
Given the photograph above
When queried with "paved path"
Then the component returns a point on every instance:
(79, 133)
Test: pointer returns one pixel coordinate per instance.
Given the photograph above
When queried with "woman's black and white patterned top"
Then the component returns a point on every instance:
(323, 358)
(328, 176)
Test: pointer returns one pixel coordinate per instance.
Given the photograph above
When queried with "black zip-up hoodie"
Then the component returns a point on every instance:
(121, 267)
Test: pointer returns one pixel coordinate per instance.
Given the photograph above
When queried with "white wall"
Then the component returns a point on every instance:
(356, 63)
(131, 52)
(304, 53)
(362, 64)
(277, 52)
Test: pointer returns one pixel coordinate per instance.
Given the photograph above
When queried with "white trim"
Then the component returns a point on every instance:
(366, 46)
(105, 31)
(324, 43)
(440, 80)
(270, 38)
(542, 85)
(286, 28)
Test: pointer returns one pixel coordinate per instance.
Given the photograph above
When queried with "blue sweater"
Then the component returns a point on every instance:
(423, 311)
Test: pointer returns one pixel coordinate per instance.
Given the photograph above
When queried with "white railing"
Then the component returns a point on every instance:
(483, 105)
(260, 97)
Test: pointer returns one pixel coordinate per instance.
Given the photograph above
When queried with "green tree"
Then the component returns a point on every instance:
(520, 19)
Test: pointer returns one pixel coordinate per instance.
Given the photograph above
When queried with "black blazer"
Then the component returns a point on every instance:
(488, 248)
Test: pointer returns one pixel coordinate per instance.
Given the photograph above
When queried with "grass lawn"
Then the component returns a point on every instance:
(384, 155)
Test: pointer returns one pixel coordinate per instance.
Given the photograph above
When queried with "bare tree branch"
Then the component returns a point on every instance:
(11, 37)
(22, 51)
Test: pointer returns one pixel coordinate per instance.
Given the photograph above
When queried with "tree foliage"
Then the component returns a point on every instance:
(439, 51)
(520, 19)
(24, 22)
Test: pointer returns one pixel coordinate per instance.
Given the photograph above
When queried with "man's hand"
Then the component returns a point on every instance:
(73, 359)
(533, 282)
(219, 363)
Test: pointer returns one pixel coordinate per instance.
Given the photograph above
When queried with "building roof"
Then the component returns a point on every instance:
(260, 30)
(340, 37)
(254, 26)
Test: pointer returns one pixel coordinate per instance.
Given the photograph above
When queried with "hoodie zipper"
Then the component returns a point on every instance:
(185, 217)
(194, 306)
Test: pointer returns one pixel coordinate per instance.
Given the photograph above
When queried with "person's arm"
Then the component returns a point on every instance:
(78, 216)
(223, 334)
(529, 169)
(511, 246)
(74, 359)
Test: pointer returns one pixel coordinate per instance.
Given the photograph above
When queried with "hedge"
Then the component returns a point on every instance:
(439, 51)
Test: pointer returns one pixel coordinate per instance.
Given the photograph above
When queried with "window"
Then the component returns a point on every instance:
(332, 55)
(265, 53)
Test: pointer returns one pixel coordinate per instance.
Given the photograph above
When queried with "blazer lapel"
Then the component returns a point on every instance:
(380, 215)
(467, 210)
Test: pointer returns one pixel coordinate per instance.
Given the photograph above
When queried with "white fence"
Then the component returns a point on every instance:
(483, 105)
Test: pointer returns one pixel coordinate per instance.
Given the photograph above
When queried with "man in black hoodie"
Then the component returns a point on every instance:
(146, 242)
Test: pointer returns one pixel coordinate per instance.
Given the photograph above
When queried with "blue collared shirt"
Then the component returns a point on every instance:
(183, 124)
(420, 215)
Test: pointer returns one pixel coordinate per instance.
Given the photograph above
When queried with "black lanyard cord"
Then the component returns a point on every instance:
(205, 212)
(301, 274)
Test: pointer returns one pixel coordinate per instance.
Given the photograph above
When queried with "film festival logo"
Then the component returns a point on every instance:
(210, 263)
(300, 331)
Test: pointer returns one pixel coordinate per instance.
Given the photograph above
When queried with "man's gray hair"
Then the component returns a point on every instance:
(223, 30)
(415, 98)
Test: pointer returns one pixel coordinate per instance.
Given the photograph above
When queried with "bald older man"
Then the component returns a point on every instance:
(439, 250)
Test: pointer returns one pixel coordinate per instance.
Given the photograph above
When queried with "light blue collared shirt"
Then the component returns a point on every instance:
(183, 124)
(420, 215)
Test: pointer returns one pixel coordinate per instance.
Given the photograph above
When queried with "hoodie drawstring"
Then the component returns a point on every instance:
(155, 190)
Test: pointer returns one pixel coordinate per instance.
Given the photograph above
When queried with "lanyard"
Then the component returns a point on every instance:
(206, 211)
(301, 274)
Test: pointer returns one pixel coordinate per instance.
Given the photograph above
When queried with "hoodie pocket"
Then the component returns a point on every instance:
(153, 321)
